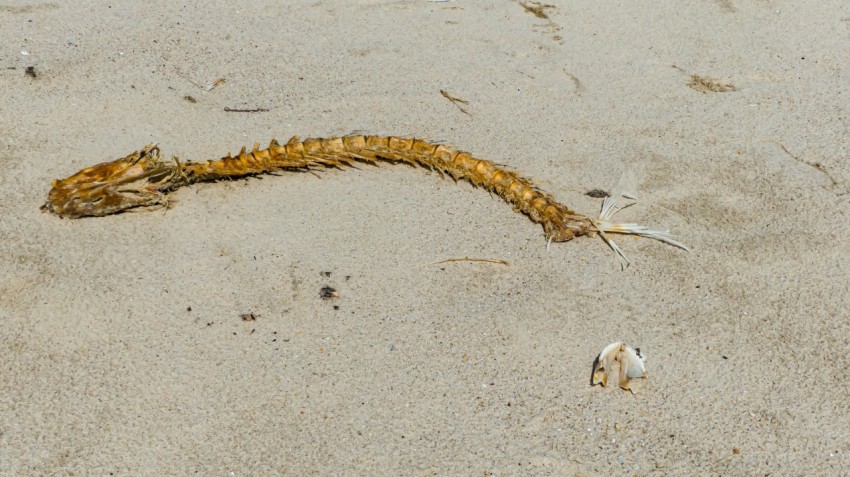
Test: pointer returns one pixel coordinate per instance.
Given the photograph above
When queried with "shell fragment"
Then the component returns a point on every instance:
(632, 365)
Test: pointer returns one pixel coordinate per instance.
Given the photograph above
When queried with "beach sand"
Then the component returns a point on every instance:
(123, 345)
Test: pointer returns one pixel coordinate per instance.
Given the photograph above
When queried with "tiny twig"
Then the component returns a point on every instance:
(467, 259)
(815, 165)
(256, 110)
(456, 101)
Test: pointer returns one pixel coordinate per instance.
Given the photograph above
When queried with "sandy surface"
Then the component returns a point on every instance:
(122, 350)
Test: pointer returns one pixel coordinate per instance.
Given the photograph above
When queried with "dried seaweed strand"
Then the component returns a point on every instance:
(142, 179)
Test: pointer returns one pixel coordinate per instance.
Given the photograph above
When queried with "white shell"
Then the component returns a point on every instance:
(632, 365)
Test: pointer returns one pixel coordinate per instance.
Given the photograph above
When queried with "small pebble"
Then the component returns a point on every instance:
(326, 293)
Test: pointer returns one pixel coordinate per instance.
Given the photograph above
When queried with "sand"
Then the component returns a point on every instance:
(123, 348)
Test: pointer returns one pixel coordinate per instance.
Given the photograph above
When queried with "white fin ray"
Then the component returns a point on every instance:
(604, 225)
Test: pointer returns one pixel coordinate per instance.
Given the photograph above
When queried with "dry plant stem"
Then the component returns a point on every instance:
(497, 261)
(143, 179)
